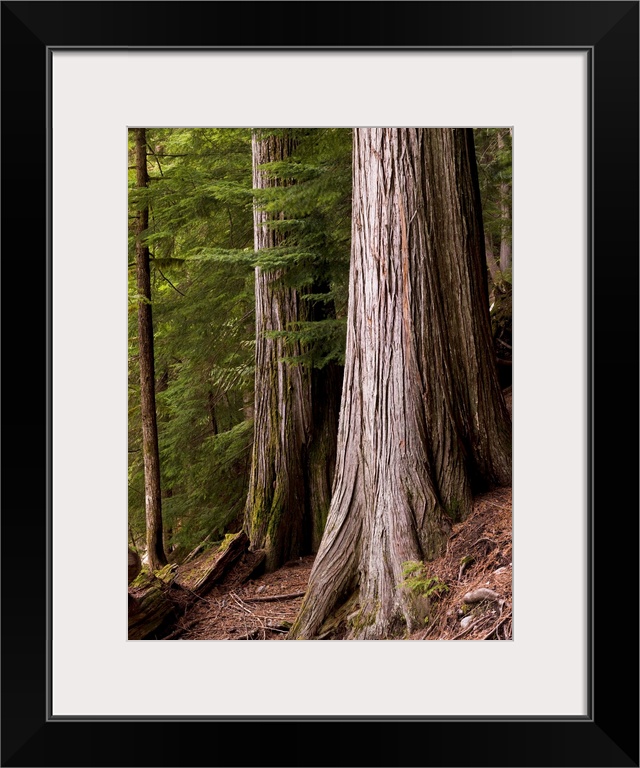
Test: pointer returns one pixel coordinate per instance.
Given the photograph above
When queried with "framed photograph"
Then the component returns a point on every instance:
(563, 78)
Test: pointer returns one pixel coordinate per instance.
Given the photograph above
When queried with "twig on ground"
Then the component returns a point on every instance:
(484, 538)
(185, 628)
(497, 626)
(470, 627)
(240, 603)
(499, 506)
(264, 628)
(274, 598)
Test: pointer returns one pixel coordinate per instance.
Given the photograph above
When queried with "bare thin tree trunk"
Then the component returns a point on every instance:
(153, 504)
(505, 215)
(422, 422)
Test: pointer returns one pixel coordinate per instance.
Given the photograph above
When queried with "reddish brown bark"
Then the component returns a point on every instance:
(294, 435)
(423, 424)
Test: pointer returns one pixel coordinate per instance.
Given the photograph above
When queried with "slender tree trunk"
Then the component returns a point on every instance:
(423, 424)
(505, 215)
(153, 504)
(248, 404)
(211, 406)
(248, 395)
(492, 264)
(283, 513)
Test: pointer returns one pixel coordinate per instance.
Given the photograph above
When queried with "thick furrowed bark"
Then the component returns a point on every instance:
(276, 500)
(294, 432)
(484, 424)
(421, 405)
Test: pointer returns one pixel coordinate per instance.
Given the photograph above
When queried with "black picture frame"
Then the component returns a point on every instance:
(609, 735)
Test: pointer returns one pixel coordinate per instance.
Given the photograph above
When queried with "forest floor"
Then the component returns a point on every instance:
(478, 557)
(476, 569)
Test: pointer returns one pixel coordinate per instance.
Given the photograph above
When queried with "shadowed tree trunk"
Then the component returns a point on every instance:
(505, 215)
(153, 504)
(289, 486)
(505, 242)
(423, 424)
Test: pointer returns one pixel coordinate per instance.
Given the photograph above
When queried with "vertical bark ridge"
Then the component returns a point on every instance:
(294, 432)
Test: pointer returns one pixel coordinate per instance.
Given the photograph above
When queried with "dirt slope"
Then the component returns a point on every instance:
(478, 556)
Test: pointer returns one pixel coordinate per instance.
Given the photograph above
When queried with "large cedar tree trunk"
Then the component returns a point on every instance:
(153, 504)
(294, 433)
(423, 424)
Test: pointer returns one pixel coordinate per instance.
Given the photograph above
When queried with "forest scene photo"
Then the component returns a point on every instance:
(320, 383)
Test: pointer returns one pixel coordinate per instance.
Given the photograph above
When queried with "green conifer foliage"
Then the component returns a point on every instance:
(200, 237)
(200, 195)
(494, 154)
(201, 243)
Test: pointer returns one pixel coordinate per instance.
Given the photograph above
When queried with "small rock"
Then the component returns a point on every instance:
(261, 589)
(464, 623)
